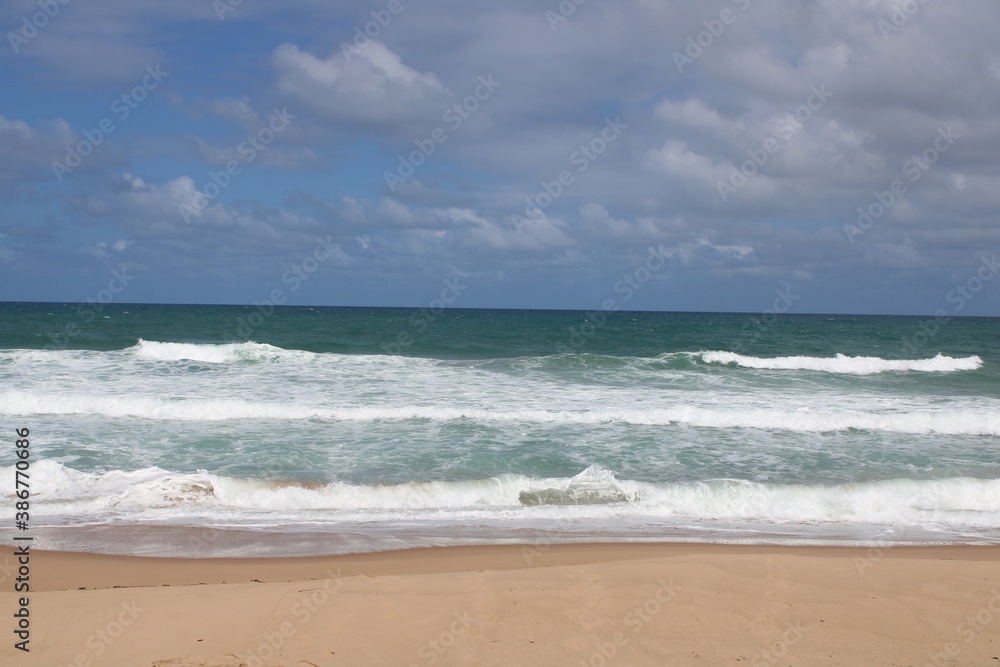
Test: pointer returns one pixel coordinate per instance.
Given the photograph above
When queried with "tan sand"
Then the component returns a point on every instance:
(599, 604)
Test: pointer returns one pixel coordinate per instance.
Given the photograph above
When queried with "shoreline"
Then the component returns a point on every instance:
(174, 541)
(70, 570)
(542, 604)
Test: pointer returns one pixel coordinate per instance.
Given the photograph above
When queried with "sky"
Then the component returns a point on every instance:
(725, 155)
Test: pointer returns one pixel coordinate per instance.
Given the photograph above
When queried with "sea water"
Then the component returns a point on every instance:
(359, 429)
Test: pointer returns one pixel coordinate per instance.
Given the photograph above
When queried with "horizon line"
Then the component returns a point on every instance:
(468, 308)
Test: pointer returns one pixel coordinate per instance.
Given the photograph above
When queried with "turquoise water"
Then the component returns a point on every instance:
(493, 425)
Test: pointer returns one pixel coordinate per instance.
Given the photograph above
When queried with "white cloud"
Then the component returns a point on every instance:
(676, 159)
(654, 184)
(373, 90)
(694, 113)
(27, 153)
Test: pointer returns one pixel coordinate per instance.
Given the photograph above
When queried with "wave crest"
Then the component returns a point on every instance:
(844, 364)
(215, 353)
(953, 501)
(954, 422)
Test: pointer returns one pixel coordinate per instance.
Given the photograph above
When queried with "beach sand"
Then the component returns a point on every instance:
(596, 604)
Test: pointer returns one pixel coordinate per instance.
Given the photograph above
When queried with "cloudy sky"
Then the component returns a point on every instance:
(663, 155)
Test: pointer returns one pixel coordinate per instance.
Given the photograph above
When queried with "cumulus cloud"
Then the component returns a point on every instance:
(28, 152)
(749, 96)
(370, 90)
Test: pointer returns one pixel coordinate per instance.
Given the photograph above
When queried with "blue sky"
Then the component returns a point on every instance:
(844, 153)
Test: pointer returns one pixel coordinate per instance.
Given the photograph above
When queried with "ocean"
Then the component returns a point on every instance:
(296, 430)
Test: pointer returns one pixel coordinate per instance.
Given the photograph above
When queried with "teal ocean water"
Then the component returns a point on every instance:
(359, 429)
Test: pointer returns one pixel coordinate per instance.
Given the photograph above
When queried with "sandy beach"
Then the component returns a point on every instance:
(592, 604)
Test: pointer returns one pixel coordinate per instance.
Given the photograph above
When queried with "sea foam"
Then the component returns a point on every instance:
(954, 421)
(215, 353)
(960, 501)
(844, 364)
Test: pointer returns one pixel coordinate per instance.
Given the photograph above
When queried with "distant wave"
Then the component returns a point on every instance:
(215, 353)
(844, 364)
(839, 363)
(252, 352)
(955, 422)
(953, 501)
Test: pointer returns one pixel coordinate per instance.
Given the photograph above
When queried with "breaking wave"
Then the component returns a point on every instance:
(954, 422)
(844, 364)
(961, 501)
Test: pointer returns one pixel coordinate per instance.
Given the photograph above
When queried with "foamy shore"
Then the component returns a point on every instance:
(584, 604)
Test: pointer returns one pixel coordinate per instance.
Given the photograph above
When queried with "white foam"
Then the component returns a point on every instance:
(216, 353)
(844, 364)
(229, 353)
(152, 493)
(956, 501)
(954, 421)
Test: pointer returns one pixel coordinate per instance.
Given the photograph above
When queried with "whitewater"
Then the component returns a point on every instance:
(809, 441)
